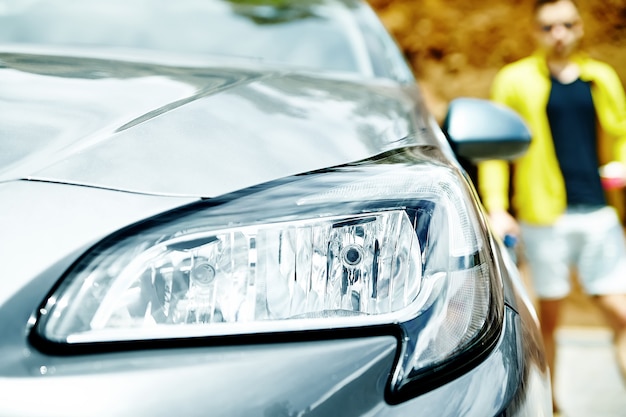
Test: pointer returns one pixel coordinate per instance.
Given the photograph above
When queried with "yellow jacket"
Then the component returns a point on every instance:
(524, 86)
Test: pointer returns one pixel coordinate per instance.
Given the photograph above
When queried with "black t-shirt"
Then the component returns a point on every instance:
(572, 118)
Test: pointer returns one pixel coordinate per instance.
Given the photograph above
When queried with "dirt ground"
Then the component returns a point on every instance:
(455, 48)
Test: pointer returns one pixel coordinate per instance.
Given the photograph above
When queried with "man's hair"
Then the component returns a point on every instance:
(541, 3)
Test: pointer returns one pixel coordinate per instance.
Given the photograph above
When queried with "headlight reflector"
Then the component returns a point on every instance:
(331, 267)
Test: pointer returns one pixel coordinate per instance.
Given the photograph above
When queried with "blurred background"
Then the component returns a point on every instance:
(455, 48)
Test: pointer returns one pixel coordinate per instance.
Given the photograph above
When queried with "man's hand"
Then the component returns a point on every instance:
(613, 175)
(504, 224)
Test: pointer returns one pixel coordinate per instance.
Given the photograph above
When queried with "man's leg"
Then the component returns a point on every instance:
(602, 270)
(547, 251)
(614, 308)
(549, 317)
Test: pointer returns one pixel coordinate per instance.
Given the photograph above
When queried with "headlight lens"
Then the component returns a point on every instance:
(362, 246)
(332, 267)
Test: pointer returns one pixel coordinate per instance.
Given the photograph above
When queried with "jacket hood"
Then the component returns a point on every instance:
(193, 131)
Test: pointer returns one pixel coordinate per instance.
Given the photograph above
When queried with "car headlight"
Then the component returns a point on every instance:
(389, 244)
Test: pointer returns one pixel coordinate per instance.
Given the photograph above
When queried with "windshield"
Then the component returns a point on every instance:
(317, 34)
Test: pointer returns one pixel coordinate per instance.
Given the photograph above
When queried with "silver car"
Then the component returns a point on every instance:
(243, 208)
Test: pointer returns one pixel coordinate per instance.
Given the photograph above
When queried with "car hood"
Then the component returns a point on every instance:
(196, 131)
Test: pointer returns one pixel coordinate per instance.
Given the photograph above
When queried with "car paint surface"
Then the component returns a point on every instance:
(164, 130)
(271, 377)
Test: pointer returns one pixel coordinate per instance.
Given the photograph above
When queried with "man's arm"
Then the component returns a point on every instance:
(494, 176)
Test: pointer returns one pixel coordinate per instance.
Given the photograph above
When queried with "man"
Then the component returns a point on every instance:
(572, 105)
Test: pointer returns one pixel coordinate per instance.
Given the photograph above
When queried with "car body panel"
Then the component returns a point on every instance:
(41, 217)
(305, 376)
(127, 122)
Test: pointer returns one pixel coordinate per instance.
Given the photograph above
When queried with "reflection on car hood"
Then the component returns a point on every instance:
(188, 131)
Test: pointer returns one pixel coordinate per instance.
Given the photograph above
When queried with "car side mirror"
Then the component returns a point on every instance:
(479, 129)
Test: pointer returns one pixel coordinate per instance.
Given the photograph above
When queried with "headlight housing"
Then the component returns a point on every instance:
(357, 247)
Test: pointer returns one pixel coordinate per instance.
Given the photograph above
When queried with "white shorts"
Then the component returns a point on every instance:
(590, 240)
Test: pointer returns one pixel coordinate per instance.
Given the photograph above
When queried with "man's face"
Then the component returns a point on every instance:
(558, 28)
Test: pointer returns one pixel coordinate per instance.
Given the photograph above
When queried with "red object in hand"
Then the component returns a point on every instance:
(612, 183)
(613, 176)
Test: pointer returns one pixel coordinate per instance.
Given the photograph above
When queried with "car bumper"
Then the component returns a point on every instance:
(346, 377)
